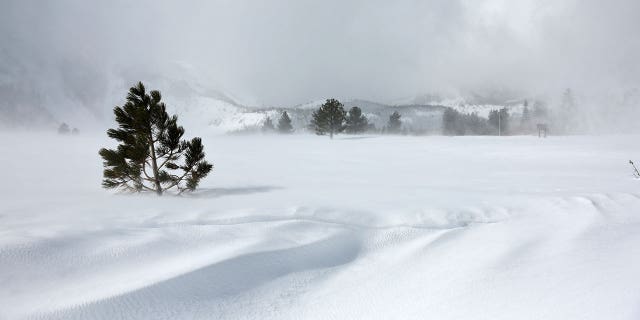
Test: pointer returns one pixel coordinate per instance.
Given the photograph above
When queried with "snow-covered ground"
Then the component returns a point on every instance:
(302, 227)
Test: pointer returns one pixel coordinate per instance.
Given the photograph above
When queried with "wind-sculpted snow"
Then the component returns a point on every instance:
(302, 227)
(202, 292)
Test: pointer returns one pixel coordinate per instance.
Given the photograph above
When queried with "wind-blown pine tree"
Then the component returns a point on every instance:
(150, 149)
(284, 123)
(329, 118)
(356, 122)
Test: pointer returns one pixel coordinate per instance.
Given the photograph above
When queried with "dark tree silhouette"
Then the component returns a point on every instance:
(455, 123)
(356, 122)
(150, 149)
(329, 118)
(451, 124)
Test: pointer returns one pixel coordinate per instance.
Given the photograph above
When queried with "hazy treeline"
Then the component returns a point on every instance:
(332, 118)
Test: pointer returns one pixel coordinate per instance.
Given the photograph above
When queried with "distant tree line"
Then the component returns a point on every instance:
(284, 124)
(498, 122)
(331, 118)
(455, 123)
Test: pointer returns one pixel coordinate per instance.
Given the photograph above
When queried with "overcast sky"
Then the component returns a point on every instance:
(292, 51)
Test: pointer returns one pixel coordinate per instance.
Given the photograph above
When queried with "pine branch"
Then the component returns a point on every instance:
(169, 158)
(144, 170)
(124, 184)
(635, 173)
(177, 179)
(182, 190)
(135, 180)
(147, 188)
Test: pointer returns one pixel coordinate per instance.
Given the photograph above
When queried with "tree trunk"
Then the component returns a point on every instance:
(154, 165)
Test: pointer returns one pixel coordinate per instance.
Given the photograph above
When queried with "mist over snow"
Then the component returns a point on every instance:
(73, 61)
(330, 159)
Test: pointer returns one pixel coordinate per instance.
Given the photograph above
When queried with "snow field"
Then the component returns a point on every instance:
(291, 227)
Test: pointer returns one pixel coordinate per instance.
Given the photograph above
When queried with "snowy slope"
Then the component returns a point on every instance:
(480, 103)
(207, 115)
(463, 106)
(301, 227)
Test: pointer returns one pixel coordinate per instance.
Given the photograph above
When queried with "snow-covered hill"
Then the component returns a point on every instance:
(211, 114)
(463, 106)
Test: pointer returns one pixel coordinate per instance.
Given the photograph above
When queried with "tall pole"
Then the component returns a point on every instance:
(499, 123)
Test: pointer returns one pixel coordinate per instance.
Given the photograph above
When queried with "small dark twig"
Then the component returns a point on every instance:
(636, 173)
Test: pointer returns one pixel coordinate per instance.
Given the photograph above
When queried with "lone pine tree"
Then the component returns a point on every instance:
(150, 149)
(355, 121)
(284, 123)
(329, 118)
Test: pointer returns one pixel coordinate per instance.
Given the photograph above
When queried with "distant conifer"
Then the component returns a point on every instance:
(284, 123)
(356, 122)
(329, 118)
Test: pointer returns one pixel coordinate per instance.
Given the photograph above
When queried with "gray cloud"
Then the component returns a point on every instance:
(287, 52)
